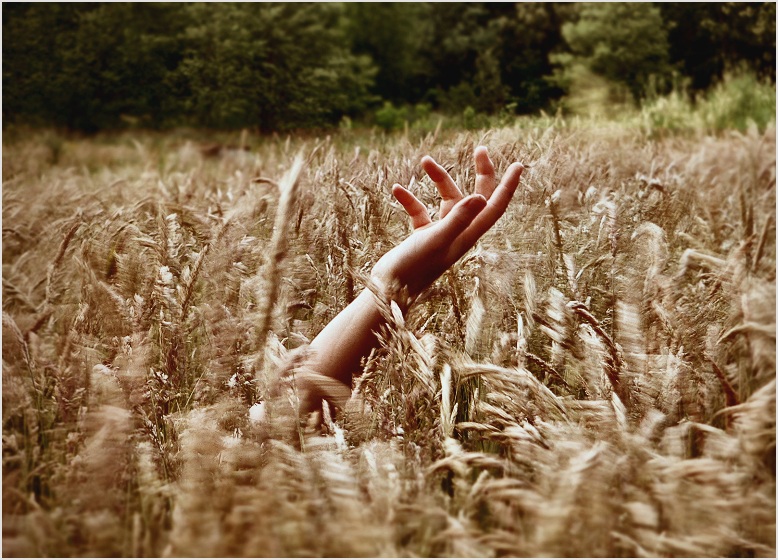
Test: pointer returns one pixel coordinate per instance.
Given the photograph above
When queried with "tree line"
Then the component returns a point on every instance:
(281, 66)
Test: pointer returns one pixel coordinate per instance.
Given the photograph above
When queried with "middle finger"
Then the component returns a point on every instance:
(484, 173)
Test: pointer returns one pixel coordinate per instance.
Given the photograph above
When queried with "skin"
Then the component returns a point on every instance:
(414, 264)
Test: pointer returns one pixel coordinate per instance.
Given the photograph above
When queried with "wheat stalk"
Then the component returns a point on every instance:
(278, 246)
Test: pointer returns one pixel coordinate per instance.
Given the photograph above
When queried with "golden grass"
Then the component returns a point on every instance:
(596, 378)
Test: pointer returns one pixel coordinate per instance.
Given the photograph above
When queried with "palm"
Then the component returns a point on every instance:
(434, 246)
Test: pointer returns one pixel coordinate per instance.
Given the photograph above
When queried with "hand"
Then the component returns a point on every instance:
(335, 354)
(434, 246)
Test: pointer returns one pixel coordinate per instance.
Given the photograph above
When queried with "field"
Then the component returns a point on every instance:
(595, 378)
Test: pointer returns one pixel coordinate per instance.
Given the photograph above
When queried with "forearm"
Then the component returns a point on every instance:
(338, 349)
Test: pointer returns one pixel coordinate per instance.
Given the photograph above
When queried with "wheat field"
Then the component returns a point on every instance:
(595, 378)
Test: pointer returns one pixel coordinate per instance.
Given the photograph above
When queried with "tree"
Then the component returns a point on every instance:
(279, 66)
(626, 43)
(87, 66)
(393, 36)
(117, 63)
(33, 36)
(461, 53)
(276, 66)
(487, 55)
(528, 37)
(707, 39)
(91, 67)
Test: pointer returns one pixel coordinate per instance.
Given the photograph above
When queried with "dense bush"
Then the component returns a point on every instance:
(736, 103)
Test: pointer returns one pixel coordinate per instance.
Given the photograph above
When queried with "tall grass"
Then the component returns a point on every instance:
(738, 102)
(596, 378)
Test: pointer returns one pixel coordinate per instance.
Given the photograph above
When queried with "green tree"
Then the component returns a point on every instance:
(708, 39)
(33, 38)
(98, 65)
(276, 66)
(117, 63)
(462, 55)
(280, 66)
(393, 36)
(528, 37)
(87, 66)
(626, 43)
(486, 55)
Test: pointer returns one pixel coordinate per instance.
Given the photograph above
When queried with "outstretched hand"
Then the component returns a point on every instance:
(336, 352)
(434, 246)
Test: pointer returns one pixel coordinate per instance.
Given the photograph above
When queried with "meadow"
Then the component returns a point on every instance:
(595, 378)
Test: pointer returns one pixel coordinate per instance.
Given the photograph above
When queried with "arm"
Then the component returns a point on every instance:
(418, 261)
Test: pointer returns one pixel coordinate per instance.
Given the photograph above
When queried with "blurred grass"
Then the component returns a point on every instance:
(595, 379)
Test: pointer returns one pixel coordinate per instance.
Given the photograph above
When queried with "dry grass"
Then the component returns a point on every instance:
(596, 378)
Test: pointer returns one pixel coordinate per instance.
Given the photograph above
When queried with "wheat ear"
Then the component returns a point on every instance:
(278, 246)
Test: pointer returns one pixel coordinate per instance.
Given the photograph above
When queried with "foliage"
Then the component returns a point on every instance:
(709, 39)
(621, 42)
(85, 66)
(282, 66)
(736, 103)
(273, 66)
(390, 117)
(392, 36)
(270, 66)
(528, 41)
(739, 101)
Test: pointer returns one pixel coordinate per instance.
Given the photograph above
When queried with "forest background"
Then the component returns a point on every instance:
(291, 66)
